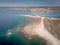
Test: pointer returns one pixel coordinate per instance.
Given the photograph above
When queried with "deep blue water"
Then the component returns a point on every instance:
(10, 19)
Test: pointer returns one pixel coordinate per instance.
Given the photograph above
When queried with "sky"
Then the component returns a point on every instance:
(28, 3)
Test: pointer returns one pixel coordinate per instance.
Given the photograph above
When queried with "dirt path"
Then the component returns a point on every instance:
(42, 32)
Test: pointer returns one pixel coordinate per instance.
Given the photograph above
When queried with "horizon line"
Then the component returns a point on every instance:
(25, 6)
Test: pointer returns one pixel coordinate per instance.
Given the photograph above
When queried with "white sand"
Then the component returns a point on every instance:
(31, 16)
(42, 32)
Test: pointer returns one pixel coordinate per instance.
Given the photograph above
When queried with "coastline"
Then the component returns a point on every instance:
(31, 29)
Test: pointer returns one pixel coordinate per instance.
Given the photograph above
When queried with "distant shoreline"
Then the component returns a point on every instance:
(35, 9)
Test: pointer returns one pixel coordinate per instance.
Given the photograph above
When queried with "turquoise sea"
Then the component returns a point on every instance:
(10, 21)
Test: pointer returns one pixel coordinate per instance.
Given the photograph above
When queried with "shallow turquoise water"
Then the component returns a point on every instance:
(9, 21)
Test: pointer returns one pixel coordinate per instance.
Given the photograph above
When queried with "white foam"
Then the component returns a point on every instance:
(9, 33)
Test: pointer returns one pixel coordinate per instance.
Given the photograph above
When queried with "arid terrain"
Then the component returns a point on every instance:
(45, 28)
